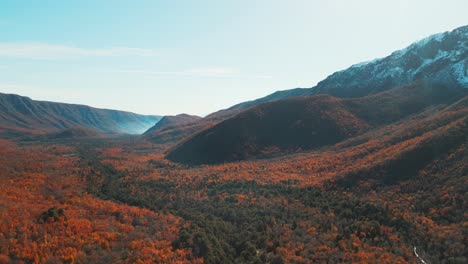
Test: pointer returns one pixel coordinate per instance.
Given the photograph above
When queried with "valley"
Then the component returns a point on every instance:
(370, 198)
(368, 166)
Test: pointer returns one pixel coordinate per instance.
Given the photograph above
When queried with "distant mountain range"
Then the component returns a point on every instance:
(427, 74)
(438, 59)
(19, 114)
(441, 58)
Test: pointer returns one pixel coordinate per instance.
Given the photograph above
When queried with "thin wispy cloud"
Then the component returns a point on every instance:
(45, 51)
(217, 72)
(213, 72)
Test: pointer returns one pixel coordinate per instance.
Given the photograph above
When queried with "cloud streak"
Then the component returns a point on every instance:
(45, 51)
(217, 72)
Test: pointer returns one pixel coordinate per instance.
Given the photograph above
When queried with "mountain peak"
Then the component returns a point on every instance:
(439, 58)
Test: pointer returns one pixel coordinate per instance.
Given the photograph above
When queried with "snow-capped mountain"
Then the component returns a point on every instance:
(439, 59)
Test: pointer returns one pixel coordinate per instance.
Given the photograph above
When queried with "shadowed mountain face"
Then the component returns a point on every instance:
(286, 124)
(306, 123)
(21, 114)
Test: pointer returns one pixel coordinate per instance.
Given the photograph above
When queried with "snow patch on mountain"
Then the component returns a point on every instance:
(440, 58)
(460, 70)
(358, 65)
(425, 41)
(392, 72)
(400, 54)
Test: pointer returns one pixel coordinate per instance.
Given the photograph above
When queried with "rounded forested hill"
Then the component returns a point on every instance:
(305, 123)
(286, 125)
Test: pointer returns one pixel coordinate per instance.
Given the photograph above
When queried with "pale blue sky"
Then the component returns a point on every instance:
(168, 57)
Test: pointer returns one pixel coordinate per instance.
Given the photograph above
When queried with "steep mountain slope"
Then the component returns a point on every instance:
(395, 104)
(173, 133)
(286, 124)
(269, 98)
(168, 121)
(21, 114)
(440, 58)
(306, 123)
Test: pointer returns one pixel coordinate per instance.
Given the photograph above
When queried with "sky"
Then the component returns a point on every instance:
(199, 56)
